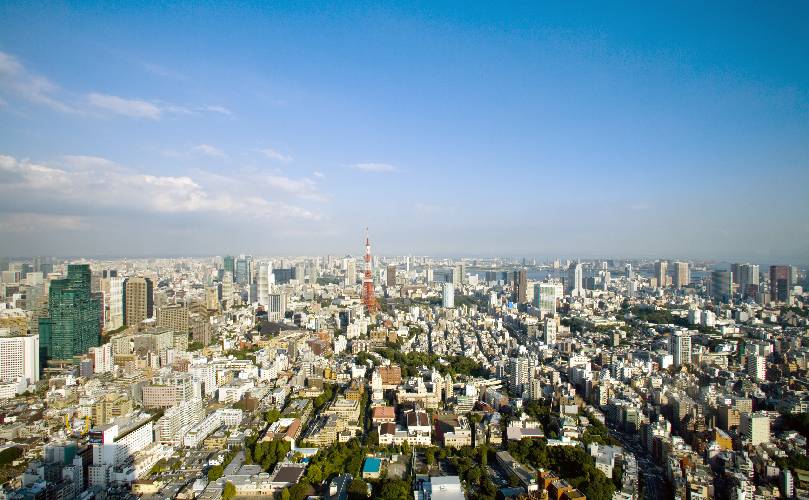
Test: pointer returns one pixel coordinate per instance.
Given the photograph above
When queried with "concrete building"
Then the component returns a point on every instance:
(138, 300)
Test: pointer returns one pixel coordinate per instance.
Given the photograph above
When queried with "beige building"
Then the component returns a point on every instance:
(174, 317)
(138, 300)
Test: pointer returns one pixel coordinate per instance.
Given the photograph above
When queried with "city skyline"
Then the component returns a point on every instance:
(286, 130)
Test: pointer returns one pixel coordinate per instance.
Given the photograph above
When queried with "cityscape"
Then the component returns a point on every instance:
(404, 251)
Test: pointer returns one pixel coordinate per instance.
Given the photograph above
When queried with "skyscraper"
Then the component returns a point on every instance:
(780, 284)
(722, 285)
(661, 273)
(350, 266)
(448, 295)
(264, 279)
(545, 296)
(74, 319)
(682, 276)
(520, 283)
(749, 279)
(243, 273)
(458, 275)
(19, 358)
(138, 300)
(391, 276)
(575, 280)
(680, 347)
(229, 264)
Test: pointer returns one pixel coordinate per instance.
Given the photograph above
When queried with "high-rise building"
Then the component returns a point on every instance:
(138, 300)
(682, 276)
(19, 358)
(390, 279)
(734, 271)
(520, 284)
(458, 275)
(748, 278)
(428, 274)
(549, 331)
(680, 347)
(755, 428)
(173, 317)
(229, 265)
(276, 306)
(757, 367)
(227, 289)
(264, 280)
(575, 279)
(74, 317)
(112, 290)
(448, 295)
(721, 285)
(661, 273)
(545, 296)
(780, 284)
(350, 266)
(243, 273)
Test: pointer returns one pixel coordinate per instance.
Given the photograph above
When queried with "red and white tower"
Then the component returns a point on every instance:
(368, 296)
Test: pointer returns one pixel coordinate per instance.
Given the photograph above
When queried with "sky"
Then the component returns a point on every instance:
(477, 129)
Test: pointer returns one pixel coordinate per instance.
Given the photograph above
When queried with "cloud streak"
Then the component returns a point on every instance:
(384, 168)
(275, 155)
(17, 81)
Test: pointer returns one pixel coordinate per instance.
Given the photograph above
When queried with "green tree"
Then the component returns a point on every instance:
(229, 492)
(215, 472)
(285, 494)
(394, 489)
(357, 489)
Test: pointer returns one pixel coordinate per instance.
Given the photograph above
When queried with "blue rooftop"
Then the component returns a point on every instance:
(372, 465)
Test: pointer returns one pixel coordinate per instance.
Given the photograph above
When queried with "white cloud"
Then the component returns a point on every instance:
(163, 71)
(319, 175)
(217, 109)
(15, 79)
(127, 107)
(88, 184)
(301, 188)
(272, 154)
(208, 150)
(375, 167)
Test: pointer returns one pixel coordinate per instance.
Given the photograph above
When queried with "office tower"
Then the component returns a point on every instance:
(448, 296)
(174, 317)
(428, 275)
(549, 331)
(350, 267)
(629, 273)
(276, 306)
(229, 265)
(748, 278)
(264, 278)
(680, 347)
(19, 358)
(112, 290)
(546, 295)
(721, 285)
(682, 276)
(458, 275)
(227, 289)
(243, 274)
(391, 276)
(781, 284)
(661, 273)
(282, 276)
(757, 367)
(575, 286)
(74, 317)
(755, 428)
(138, 300)
(734, 271)
(520, 284)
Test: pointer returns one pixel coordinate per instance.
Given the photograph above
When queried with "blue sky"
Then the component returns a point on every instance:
(447, 128)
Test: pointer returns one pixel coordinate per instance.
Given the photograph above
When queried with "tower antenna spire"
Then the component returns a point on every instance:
(368, 297)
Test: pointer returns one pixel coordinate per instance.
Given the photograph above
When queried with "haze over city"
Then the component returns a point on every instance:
(448, 129)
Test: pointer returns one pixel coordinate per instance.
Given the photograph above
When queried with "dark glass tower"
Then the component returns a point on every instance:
(74, 317)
